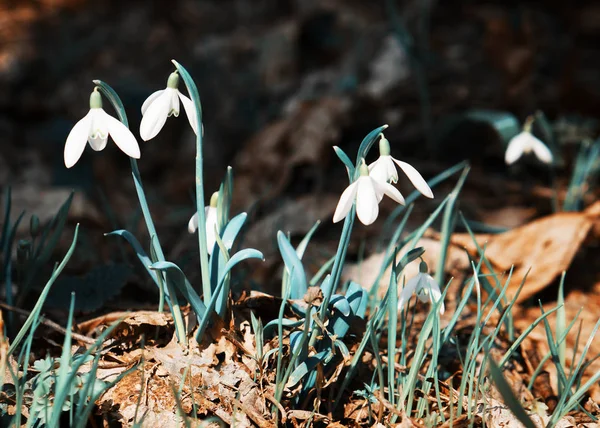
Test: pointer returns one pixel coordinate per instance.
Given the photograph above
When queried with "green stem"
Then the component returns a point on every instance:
(338, 264)
(193, 91)
(137, 180)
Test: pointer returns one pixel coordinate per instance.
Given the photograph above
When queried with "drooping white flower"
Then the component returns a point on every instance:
(163, 104)
(94, 128)
(367, 192)
(384, 169)
(526, 142)
(212, 225)
(426, 288)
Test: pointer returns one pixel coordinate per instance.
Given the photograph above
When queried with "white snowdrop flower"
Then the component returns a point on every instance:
(367, 192)
(210, 213)
(384, 169)
(426, 288)
(95, 128)
(524, 143)
(163, 104)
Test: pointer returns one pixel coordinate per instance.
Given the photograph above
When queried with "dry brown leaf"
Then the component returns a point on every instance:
(134, 319)
(540, 250)
(589, 302)
(365, 273)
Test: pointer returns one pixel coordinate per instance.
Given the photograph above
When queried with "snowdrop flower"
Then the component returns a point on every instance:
(424, 285)
(163, 104)
(367, 192)
(526, 142)
(210, 213)
(95, 128)
(384, 169)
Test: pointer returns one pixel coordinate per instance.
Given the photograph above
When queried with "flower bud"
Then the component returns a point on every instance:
(23, 251)
(34, 226)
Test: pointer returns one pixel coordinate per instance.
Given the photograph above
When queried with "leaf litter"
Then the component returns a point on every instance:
(224, 377)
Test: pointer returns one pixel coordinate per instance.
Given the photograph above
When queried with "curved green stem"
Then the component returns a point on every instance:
(137, 180)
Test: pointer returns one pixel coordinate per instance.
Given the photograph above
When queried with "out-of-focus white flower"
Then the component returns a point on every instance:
(367, 192)
(163, 104)
(212, 225)
(384, 169)
(94, 128)
(526, 142)
(426, 288)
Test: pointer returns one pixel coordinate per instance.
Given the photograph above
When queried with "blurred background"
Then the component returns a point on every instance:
(281, 82)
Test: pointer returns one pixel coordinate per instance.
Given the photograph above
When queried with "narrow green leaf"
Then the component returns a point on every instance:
(305, 367)
(35, 313)
(298, 282)
(509, 397)
(346, 160)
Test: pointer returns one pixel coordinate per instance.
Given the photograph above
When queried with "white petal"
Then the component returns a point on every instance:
(388, 189)
(407, 291)
(415, 178)
(422, 288)
(434, 292)
(150, 100)
(378, 170)
(156, 115)
(367, 205)
(345, 203)
(211, 225)
(193, 223)
(190, 112)
(122, 136)
(541, 150)
(98, 134)
(391, 170)
(517, 145)
(76, 140)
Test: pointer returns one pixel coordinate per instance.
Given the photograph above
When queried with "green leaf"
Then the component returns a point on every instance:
(178, 278)
(35, 313)
(286, 323)
(218, 260)
(305, 367)
(44, 251)
(346, 160)
(298, 285)
(139, 251)
(367, 143)
(224, 201)
(509, 397)
(504, 123)
(340, 303)
(114, 99)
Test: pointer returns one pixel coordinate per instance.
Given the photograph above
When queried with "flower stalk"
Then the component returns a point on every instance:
(137, 180)
(204, 267)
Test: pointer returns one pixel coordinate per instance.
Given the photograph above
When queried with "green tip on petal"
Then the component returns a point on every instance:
(213, 199)
(95, 99)
(173, 81)
(363, 169)
(423, 267)
(384, 146)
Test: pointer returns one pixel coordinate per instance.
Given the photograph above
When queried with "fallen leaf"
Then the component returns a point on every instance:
(540, 250)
